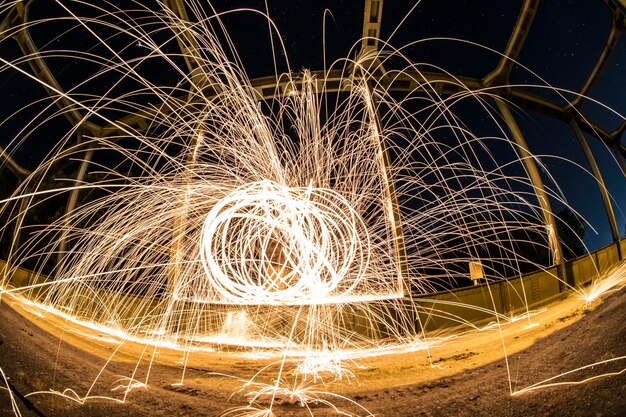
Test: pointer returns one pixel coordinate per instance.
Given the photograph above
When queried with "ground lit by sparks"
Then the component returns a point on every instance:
(295, 229)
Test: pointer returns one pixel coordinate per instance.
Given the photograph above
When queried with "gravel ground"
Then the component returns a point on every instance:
(36, 360)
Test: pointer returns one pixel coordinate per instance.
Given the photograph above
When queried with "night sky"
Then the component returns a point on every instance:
(564, 42)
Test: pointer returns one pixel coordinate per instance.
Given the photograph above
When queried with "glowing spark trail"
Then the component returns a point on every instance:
(297, 228)
(308, 244)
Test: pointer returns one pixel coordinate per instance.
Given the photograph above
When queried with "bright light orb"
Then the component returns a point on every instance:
(268, 243)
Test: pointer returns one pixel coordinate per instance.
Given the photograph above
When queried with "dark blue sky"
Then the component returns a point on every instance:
(563, 44)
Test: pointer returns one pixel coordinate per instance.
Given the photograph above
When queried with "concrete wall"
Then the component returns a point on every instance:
(481, 303)
(21, 277)
(607, 258)
(439, 310)
(478, 303)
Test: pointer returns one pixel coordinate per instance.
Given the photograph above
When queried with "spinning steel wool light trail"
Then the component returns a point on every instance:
(297, 226)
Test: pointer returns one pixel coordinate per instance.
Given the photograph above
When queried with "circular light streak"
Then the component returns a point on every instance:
(267, 243)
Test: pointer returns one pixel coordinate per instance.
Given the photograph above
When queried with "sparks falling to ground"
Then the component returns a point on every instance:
(296, 226)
